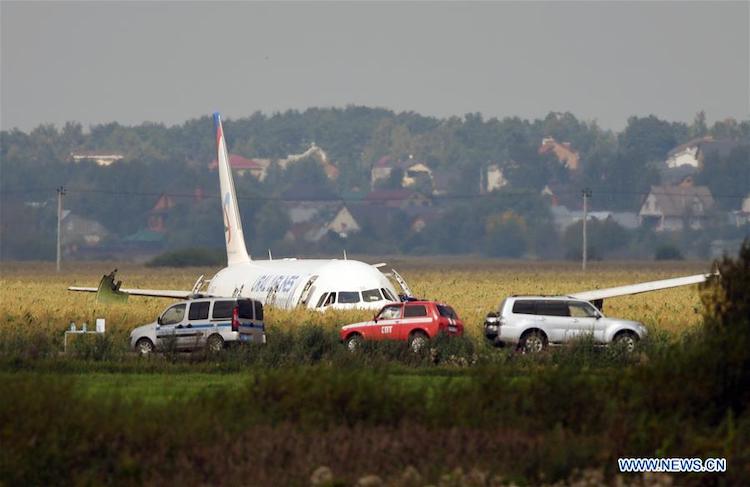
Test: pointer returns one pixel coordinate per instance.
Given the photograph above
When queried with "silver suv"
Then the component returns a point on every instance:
(204, 322)
(534, 322)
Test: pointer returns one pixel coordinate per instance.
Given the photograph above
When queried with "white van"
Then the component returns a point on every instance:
(203, 322)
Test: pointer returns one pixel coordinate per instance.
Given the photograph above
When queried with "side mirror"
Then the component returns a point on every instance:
(158, 321)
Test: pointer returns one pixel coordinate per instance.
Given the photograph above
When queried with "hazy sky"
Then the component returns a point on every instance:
(168, 62)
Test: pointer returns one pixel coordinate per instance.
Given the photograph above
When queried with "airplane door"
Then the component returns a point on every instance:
(166, 330)
(307, 291)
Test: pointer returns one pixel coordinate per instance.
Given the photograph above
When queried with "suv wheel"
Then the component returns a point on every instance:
(144, 346)
(533, 342)
(354, 342)
(627, 340)
(418, 341)
(215, 343)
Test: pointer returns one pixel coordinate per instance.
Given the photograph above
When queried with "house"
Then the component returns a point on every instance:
(80, 233)
(742, 216)
(562, 151)
(258, 168)
(414, 172)
(157, 216)
(693, 152)
(339, 221)
(101, 158)
(672, 208)
(492, 178)
(315, 152)
(564, 218)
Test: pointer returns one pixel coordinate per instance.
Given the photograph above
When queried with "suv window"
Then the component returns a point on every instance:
(390, 312)
(199, 310)
(524, 307)
(258, 311)
(446, 311)
(581, 310)
(415, 310)
(552, 308)
(222, 310)
(173, 315)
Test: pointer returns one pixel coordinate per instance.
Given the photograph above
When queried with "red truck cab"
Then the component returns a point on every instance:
(414, 321)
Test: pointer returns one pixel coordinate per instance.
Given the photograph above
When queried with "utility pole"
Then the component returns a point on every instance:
(60, 194)
(586, 195)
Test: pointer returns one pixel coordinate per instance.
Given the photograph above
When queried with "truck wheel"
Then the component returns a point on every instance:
(418, 341)
(215, 343)
(533, 342)
(144, 346)
(354, 342)
(627, 340)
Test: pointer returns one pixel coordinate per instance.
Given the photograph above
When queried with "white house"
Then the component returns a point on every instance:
(671, 208)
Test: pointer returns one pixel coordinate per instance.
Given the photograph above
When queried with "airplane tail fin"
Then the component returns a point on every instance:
(233, 235)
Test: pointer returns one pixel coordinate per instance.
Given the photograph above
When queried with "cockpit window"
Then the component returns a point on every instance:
(320, 301)
(348, 297)
(330, 300)
(371, 295)
(388, 295)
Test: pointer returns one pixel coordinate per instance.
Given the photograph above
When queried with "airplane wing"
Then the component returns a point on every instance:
(156, 293)
(643, 287)
(109, 291)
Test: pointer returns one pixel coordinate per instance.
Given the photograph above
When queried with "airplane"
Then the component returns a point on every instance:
(319, 284)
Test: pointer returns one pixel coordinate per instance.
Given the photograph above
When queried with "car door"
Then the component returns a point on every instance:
(192, 333)
(553, 317)
(415, 317)
(387, 322)
(166, 328)
(582, 320)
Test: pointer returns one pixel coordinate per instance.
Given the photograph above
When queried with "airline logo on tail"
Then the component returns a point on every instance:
(227, 225)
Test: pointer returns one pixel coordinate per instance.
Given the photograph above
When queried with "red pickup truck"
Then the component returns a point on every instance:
(414, 321)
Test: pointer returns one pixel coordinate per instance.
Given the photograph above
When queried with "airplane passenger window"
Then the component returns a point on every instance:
(371, 295)
(173, 315)
(348, 297)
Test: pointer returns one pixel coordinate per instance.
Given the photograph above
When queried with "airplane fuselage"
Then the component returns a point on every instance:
(288, 283)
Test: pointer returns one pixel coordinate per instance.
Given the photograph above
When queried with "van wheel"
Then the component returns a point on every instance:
(533, 342)
(418, 341)
(144, 346)
(215, 343)
(627, 340)
(354, 342)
